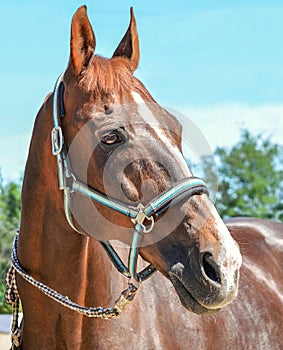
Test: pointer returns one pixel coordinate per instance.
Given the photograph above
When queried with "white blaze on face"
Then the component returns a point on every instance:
(149, 118)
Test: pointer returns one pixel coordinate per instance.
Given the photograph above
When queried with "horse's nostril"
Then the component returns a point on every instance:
(210, 268)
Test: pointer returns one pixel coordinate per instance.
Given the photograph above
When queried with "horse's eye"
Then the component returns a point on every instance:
(111, 138)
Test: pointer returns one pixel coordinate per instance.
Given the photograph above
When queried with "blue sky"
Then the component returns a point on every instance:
(219, 62)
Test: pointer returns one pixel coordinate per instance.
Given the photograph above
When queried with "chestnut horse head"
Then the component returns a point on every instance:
(119, 157)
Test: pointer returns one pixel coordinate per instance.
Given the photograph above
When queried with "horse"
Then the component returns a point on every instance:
(108, 174)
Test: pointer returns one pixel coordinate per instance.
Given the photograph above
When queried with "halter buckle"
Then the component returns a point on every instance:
(57, 140)
(141, 216)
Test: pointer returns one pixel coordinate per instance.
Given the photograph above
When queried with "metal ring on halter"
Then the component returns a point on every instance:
(141, 216)
(57, 140)
(145, 230)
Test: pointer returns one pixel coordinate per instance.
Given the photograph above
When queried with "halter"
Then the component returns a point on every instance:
(68, 183)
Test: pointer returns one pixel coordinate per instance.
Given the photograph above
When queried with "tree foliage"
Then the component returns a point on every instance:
(250, 178)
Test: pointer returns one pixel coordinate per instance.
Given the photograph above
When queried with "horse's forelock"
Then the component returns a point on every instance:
(107, 75)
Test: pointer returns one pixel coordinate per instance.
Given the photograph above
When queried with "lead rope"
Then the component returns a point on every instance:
(99, 312)
(12, 297)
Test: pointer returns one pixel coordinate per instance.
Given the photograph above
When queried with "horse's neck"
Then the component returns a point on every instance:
(70, 263)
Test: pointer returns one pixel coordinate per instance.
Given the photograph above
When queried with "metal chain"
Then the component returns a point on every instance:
(99, 312)
(12, 297)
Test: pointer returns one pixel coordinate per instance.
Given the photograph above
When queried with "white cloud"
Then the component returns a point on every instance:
(221, 124)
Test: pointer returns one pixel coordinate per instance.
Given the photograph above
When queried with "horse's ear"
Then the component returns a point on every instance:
(129, 45)
(82, 40)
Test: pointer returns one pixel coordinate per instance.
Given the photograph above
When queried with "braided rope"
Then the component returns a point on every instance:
(98, 312)
(12, 297)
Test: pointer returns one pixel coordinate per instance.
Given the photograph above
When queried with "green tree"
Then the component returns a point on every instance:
(250, 178)
(9, 222)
